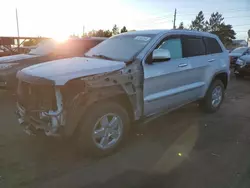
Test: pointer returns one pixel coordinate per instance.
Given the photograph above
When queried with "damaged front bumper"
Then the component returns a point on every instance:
(50, 122)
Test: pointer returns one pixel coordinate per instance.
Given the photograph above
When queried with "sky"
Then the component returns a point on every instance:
(61, 18)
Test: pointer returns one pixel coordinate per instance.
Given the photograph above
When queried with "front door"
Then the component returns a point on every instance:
(166, 84)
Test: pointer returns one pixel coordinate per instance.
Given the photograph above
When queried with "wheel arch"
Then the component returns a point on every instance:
(83, 101)
(223, 76)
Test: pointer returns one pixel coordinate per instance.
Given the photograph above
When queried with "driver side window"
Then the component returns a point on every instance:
(174, 46)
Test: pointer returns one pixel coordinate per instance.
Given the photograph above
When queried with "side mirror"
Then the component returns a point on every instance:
(161, 55)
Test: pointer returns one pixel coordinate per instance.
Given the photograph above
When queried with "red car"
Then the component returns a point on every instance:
(47, 50)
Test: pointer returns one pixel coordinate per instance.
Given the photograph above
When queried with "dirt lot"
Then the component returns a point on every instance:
(186, 148)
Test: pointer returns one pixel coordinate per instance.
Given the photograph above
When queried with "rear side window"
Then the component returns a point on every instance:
(193, 46)
(212, 45)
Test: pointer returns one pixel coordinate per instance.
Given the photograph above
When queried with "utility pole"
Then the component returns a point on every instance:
(174, 27)
(248, 38)
(17, 25)
(83, 30)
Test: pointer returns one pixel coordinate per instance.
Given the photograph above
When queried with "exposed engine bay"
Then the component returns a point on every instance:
(57, 110)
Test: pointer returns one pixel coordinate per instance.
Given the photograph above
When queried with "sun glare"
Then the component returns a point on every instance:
(60, 39)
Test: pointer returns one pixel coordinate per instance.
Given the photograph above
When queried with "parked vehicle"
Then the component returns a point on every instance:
(236, 53)
(46, 51)
(129, 77)
(242, 67)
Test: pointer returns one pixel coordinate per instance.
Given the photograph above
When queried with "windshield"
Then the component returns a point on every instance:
(43, 48)
(239, 50)
(122, 47)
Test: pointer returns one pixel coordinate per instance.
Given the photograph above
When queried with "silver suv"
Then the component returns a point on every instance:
(129, 77)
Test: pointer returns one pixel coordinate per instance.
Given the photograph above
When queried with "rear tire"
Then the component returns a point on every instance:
(214, 97)
(103, 128)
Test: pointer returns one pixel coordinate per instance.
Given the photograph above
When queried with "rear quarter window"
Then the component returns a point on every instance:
(193, 46)
(212, 45)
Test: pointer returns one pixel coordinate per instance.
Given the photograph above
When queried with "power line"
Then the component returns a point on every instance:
(232, 10)
(248, 16)
(241, 25)
(190, 14)
(162, 20)
(225, 17)
(165, 19)
(169, 16)
(156, 20)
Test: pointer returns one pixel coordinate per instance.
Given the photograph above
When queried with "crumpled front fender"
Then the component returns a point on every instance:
(79, 104)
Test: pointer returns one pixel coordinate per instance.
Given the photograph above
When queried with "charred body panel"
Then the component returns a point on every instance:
(62, 110)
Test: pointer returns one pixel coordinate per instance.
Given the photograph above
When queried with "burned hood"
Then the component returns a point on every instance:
(63, 70)
(15, 58)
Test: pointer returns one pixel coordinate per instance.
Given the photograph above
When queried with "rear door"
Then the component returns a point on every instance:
(195, 51)
(218, 60)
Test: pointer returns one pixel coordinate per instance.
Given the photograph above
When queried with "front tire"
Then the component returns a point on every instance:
(214, 97)
(103, 128)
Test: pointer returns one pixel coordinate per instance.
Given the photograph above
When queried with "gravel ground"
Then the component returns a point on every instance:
(186, 148)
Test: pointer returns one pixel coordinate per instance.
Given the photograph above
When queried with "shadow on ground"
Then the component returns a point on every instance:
(186, 148)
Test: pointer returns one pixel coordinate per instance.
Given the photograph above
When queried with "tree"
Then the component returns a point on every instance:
(225, 33)
(217, 26)
(181, 26)
(198, 23)
(115, 30)
(214, 25)
(124, 30)
(107, 33)
(99, 33)
(214, 22)
(74, 36)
